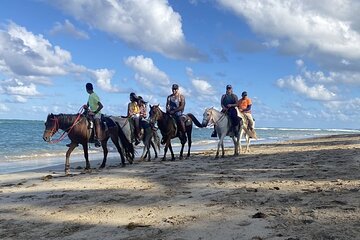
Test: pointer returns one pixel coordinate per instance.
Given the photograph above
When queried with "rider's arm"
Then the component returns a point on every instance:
(168, 104)
(222, 102)
(248, 108)
(182, 104)
(99, 108)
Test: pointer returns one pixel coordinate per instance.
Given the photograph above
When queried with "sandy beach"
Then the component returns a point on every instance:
(303, 189)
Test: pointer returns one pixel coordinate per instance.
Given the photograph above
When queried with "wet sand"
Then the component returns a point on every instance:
(303, 189)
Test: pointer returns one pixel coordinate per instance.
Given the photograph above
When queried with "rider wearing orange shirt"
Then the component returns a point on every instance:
(244, 105)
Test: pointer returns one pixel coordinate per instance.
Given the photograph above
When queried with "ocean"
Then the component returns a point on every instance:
(22, 147)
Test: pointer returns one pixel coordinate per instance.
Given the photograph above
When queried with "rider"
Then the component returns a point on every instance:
(244, 105)
(228, 103)
(134, 114)
(94, 112)
(143, 112)
(142, 106)
(175, 105)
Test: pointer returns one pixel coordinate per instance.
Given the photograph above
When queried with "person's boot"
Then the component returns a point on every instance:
(214, 133)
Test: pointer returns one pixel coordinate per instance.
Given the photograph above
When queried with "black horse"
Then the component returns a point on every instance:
(169, 130)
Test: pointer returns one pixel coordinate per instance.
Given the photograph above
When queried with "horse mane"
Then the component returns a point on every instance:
(66, 119)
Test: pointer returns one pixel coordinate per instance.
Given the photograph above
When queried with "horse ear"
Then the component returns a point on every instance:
(157, 105)
(150, 105)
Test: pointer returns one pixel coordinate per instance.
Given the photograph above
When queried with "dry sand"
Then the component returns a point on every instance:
(306, 189)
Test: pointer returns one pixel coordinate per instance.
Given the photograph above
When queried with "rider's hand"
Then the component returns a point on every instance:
(85, 106)
(91, 113)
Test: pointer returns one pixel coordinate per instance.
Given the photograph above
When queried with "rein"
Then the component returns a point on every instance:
(220, 119)
(67, 131)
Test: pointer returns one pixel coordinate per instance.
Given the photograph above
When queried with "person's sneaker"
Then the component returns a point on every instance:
(214, 134)
(97, 143)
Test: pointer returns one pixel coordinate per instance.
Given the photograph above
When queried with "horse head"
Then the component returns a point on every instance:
(207, 116)
(51, 127)
(154, 113)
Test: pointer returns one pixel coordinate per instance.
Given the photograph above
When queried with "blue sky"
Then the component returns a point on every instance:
(299, 61)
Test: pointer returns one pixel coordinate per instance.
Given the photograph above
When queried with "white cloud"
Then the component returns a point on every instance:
(3, 108)
(151, 25)
(147, 73)
(20, 99)
(32, 58)
(68, 28)
(17, 87)
(203, 87)
(304, 26)
(298, 84)
(103, 79)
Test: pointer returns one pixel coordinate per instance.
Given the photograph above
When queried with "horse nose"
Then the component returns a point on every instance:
(46, 139)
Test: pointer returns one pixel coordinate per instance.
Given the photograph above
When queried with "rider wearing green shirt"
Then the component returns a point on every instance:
(95, 111)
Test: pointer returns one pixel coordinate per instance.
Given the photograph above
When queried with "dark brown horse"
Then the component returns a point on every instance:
(77, 128)
(169, 129)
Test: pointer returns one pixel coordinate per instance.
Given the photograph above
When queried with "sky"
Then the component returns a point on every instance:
(299, 60)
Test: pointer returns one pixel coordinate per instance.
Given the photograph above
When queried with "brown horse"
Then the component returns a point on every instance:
(77, 128)
(169, 129)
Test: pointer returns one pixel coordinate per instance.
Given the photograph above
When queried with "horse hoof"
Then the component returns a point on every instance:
(123, 165)
(163, 159)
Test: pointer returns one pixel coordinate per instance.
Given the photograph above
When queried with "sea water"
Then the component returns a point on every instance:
(22, 147)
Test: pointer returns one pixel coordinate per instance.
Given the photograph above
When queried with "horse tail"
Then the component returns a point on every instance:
(193, 118)
(127, 145)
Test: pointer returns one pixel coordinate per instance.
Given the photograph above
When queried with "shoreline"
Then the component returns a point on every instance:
(297, 189)
(57, 157)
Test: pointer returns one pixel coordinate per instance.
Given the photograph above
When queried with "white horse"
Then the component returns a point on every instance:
(222, 127)
(150, 137)
(245, 132)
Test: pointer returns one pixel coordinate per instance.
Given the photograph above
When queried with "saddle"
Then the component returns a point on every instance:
(107, 122)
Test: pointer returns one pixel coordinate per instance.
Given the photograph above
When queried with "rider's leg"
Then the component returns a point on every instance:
(137, 130)
(96, 131)
(250, 120)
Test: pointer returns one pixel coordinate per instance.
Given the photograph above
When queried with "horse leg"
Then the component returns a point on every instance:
(167, 143)
(172, 152)
(181, 150)
(154, 147)
(86, 155)
(235, 141)
(105, 152)
(67, 160)
(241, 135)
(220, 143)
(248, 143)
(222, 146)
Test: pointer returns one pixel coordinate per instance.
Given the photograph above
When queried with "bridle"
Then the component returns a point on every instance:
(211, 117)
(56, 127)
